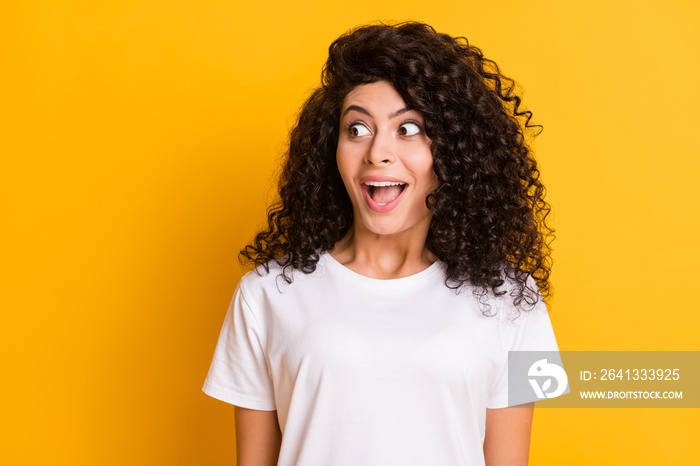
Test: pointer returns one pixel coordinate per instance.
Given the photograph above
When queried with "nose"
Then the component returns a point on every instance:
(382, 151)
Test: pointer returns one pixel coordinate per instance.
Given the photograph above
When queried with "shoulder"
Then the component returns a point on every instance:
(273, 277)
(525, 326)
(516, 299)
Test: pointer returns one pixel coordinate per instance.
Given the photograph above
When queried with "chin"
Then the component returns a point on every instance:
(389, 226)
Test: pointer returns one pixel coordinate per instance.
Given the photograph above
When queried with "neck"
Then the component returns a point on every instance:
(383, 256)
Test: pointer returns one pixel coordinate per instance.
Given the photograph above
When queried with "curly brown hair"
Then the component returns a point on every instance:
(489, 211)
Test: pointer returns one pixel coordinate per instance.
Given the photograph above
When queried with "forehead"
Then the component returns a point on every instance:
(380, 94)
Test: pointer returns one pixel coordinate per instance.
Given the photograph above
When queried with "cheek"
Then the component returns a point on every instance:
(341, 162)
(428, 178)
(434, 182)
(345, 167)
(432, 176)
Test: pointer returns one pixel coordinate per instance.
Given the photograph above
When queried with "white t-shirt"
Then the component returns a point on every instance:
(369, 372)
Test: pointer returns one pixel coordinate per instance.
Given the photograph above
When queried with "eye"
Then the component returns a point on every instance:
(357, 130)
(409, 129)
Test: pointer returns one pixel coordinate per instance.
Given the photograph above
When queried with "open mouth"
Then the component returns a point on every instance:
(384, 193)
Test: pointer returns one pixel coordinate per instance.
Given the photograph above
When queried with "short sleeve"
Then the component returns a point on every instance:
(239, 371)
(529, 331)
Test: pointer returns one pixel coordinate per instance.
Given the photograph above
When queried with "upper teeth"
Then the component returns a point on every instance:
(384, 183)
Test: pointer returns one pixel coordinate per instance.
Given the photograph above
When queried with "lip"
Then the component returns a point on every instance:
(389, 206)
(380, 178)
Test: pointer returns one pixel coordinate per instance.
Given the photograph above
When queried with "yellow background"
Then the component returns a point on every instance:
(138, 142)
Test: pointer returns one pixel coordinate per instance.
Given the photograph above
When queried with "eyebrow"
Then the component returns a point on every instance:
(362, 110)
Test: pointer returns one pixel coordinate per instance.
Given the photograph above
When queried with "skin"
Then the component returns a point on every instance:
(258, 437)
(507, 439)
(380, 136)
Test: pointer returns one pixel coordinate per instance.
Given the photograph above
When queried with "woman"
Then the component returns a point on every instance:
(406, 255)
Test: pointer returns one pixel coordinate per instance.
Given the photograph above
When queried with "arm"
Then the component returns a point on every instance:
(507, 439)
(258, 437)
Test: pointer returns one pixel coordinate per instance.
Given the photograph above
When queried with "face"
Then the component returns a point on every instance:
(385, 161)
